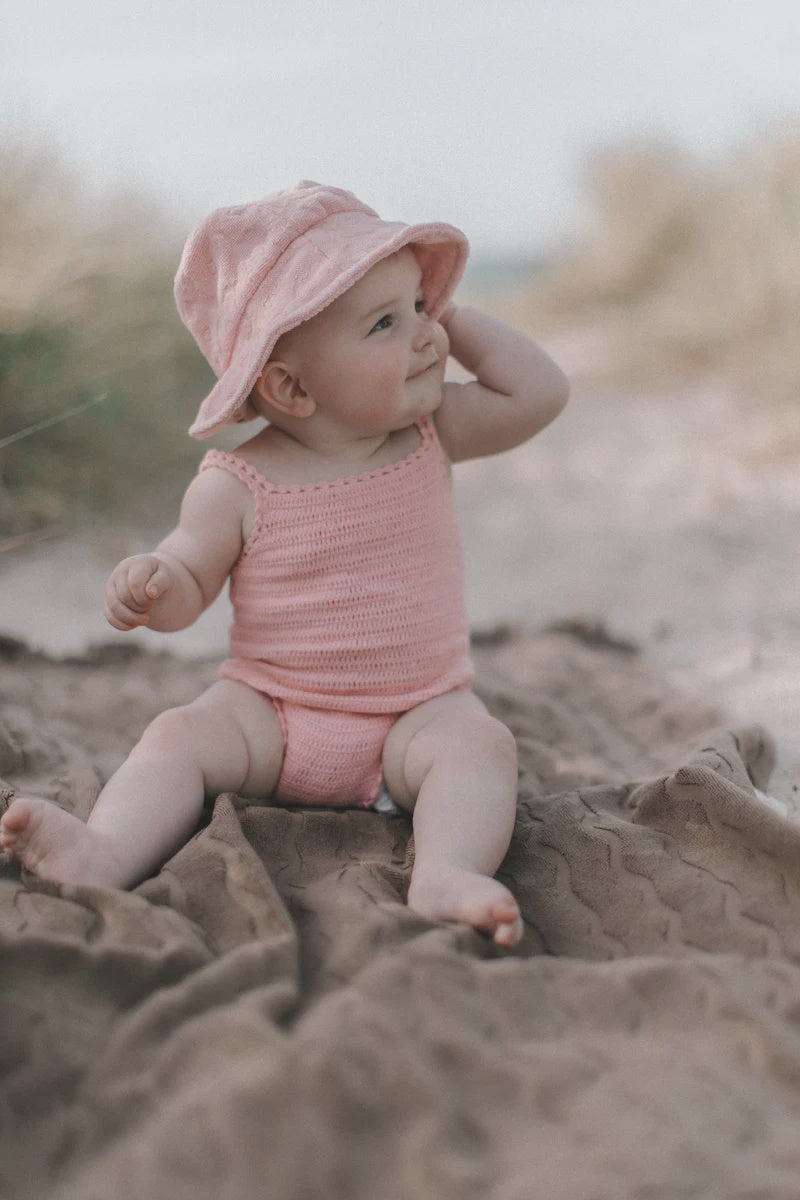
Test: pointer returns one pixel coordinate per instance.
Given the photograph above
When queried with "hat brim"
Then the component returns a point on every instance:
(313, 282)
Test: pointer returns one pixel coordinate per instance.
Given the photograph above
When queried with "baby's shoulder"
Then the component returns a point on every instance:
(265, 457)
(273, 460)
(245, 462)
(218, 482)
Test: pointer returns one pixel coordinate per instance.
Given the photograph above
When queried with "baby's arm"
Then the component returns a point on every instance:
(170, 588)
(517, 391)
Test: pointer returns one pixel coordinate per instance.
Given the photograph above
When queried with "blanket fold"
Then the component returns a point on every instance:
(266, 1018)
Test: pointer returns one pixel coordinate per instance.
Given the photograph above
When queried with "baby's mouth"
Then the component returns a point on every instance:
(422, 370)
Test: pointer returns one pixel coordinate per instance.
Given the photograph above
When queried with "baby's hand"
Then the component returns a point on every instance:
(133, 587)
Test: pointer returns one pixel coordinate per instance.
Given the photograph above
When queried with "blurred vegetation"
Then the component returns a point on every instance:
(690, 265)
(687, 266)
(86, 310)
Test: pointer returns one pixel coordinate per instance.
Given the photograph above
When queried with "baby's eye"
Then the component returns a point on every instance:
(384, 323)
(420, 306)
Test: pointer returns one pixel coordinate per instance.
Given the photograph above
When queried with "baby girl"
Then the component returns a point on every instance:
(349, 676)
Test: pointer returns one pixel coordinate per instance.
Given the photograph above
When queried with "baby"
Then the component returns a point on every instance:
(349, 671)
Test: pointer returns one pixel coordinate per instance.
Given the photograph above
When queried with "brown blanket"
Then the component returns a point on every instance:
(266, 1018)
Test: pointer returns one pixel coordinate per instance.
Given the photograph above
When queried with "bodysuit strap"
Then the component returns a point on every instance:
(250, 477)
(259, 485)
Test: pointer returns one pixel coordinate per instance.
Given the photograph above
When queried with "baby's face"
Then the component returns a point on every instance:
(373, 361)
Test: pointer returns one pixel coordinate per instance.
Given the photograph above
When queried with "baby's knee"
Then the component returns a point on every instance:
(174, 730)
(489, 740)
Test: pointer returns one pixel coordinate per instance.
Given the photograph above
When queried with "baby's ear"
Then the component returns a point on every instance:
(280, 389)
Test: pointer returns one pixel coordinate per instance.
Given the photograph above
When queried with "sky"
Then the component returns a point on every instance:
(478, 112)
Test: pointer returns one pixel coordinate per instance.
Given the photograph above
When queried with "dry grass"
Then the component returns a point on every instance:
(86, 309)
(690, 265)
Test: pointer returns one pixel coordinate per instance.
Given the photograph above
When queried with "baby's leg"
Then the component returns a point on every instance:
(455, 766)
(229, 739)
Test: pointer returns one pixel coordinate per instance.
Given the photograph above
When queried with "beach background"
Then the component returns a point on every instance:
(628, 173)
(629, 178)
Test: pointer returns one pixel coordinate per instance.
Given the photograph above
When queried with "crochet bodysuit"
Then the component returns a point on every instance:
(348, 595)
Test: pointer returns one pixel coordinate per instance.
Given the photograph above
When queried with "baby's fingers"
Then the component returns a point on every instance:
(120, 613)
(143, 579)
(121, 616)
(158, 582)
(133, 588)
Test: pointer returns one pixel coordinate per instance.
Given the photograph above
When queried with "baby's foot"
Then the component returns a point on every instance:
(445, 893)
(55, 845)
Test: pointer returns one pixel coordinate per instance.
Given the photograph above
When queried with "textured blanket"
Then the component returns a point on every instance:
(265, 1018)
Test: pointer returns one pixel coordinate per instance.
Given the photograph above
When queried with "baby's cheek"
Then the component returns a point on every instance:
(380, 398)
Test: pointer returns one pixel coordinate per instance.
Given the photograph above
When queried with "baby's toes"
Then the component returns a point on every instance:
(509, 934)
(507, 920)
(14, 823)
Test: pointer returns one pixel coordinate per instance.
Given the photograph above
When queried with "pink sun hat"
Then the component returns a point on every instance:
(250, 273)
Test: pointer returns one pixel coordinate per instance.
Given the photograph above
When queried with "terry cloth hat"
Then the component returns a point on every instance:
(250, 273)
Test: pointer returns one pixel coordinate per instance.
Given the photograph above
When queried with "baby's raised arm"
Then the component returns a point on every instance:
(169, 588)
(517, 391)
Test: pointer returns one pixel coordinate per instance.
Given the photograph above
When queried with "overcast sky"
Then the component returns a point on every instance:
(479, 113)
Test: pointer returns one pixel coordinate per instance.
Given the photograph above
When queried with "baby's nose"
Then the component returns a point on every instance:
(424, 331)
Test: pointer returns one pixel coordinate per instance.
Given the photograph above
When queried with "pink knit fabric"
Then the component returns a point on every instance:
(349, 595)
(331, 758)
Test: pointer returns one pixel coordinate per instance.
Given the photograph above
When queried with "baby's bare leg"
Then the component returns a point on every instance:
(229, 739)
(455, 767)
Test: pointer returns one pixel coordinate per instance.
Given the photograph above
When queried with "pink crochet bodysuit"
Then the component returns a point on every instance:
(348, 610)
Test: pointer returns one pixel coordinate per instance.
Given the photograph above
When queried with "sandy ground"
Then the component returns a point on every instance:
(653, 515)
